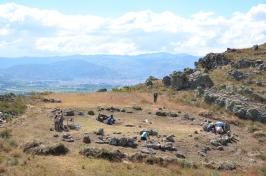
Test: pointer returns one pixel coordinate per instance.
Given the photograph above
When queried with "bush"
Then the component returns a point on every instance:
(5, 134)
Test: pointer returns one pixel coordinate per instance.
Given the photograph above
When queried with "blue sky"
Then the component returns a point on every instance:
(129, 27)
(119, 7)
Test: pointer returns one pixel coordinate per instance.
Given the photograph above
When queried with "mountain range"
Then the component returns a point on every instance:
(93, 69)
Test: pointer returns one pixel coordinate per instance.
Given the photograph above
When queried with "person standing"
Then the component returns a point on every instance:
(155, 97)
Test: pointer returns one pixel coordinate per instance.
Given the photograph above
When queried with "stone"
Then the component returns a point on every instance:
(161, 113)
(228, 165)
(137, 108)
(69, 113)
(67, 138)
(255, 47)
(212, 61)
(91, 113)
(38, 148)
(180, 155)
(170, 138)
(166, 81)
(123, 142)
(110, 155)
(147, 151)
(237, 75)
(198, 79)
(100, 132)
(86, 138)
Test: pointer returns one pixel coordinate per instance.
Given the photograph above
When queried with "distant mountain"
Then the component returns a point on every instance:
(106, 68)
(66, 70)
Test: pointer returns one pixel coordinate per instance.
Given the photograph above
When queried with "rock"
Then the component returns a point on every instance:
(51, 100)
(80, 113)
(227, 166)
(212, 61)
(172, 114)
(166, 81)
(161, 113)
(103, 154)
(221, 140)
(67, 138)
(202, 154)
(38, 148)
(137, 108)
(102, 90)
(100, 132)
(91, 112)
(220, 148)
(198, 79)
(237, 75)
(255, 47)
(147, 151)
(123, 142)
(149, 81)
(170, 138)
(167, 146)
(86, 138)
(179, 81)
(180, 155)
(243, 63)
(231, 50)
(69, 113)
(187, 117)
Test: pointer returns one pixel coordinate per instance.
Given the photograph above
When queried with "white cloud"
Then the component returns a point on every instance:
(31, 31)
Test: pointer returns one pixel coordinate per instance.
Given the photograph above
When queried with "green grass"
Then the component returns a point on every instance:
(16, 107)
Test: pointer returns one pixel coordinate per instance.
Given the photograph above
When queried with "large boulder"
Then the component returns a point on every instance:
(179, 80)
(198, 79)
(243, 63)
(212, 61)
(166, 81)
(237, 75)
(123, 142)
(86, 138)
(103, 154)
(149, 81)
(38, 148)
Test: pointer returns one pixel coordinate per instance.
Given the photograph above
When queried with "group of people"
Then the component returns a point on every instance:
(59, 121)
(109, 120)
(218, 127)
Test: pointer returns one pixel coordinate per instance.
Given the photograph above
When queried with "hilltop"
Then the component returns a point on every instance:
(227, 86)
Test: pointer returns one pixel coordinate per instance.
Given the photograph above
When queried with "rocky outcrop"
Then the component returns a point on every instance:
(190, 79)
(123, 142)
(237, 104)
(198, 79)
(166, 81)
(212, 61)
(37, 148)
(246, 63)
(103, 154)
(237, 75)
(149, 81)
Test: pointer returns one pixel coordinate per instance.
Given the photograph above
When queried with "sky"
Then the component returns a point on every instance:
(129, 27)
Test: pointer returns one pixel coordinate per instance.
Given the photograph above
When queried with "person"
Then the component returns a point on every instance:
(155, 97)
(144, 136)
(219, 127)
(110, 120)
(210, 127)
(56, 122)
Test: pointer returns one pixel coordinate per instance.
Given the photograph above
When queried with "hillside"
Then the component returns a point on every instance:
(222, 87)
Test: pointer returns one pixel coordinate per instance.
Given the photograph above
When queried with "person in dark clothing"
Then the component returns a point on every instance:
(155, 97)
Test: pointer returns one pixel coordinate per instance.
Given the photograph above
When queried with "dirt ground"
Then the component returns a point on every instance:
(37, 121)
